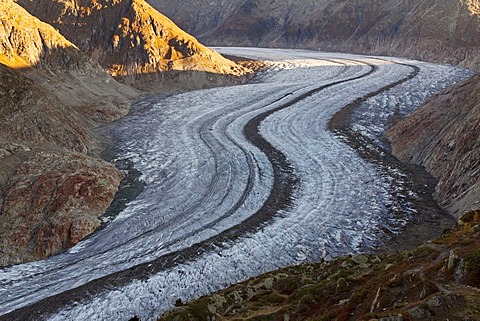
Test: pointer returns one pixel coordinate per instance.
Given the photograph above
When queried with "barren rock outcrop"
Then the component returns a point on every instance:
(443, 136)
(26, 41)
(52, 203)
(58, 66)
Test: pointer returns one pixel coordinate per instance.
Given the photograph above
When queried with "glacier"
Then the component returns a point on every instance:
(204, 179)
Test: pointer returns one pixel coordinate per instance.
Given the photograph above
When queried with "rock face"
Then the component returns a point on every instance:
(59, 67)
(52, 96)
(443, 136)
(129, 37)
(28, 42)
(439, 30)
(52, 203)
(57, 94)
(201, 18)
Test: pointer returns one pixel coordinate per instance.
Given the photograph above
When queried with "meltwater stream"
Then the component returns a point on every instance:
(205, 175)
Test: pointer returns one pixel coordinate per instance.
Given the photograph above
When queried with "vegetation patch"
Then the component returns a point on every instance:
(472, 266)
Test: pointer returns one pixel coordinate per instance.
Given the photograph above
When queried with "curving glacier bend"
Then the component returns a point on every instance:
(204, 178)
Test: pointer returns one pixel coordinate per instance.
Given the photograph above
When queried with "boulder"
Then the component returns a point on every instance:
(54, 200)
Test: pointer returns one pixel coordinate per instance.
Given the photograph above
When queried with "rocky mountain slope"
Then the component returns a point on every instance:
(42, 57)
(439, 30)
(29, 42)
(130, 38)
(444, 136)
(437, 281)
(52, 96)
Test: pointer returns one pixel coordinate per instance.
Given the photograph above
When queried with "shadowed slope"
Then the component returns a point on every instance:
(443, 136)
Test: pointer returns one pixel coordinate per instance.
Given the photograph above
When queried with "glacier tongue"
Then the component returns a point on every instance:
(204, 177)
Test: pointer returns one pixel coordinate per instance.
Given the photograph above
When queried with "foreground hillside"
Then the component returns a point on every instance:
(438, 30)
(130, 39)
(437, 281)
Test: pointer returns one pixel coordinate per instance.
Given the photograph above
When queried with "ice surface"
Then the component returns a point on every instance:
(381, 111)
(203, 177)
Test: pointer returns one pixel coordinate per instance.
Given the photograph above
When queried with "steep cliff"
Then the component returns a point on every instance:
(438, 30)
(52, 96)
(443, 136)
(129, 37)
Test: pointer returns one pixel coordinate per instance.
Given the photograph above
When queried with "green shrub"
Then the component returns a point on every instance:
(472, 265)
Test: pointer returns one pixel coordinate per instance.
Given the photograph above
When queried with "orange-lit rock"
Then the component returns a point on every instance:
(129, 37)
(26, 41)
